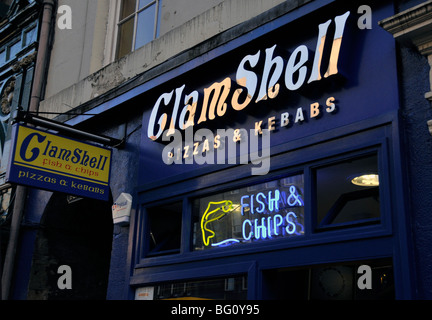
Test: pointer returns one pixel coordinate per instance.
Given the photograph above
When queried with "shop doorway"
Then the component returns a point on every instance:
(76, 233)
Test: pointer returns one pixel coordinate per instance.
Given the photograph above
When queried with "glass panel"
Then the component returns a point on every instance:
(261, 212)
(27, 89)
(331, 282)
(289, 284)
(346, 193)
(233, 288)
(145, 26)
(30, 36)
(127, 8)
(125, 38)
(2, 56)
(165, 228)
(143, 3)
(14, 49)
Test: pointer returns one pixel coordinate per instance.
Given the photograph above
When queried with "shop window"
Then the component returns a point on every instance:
(347, 192)
(262, 212)
(228, 288)
(331, 282)
(138, 24)
(164, 228)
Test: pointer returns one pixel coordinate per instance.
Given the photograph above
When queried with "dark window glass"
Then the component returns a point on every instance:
(27, 88)
(125, 40)
(164, 225)
(348, 192)
(127, 8)
(346, 281)
(229, 288)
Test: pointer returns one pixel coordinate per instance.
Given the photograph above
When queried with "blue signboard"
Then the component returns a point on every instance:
(275, 83)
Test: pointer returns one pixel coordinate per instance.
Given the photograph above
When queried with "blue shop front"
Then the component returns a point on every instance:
(271, 165)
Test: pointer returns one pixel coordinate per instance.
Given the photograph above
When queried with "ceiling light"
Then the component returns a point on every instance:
(366, 180)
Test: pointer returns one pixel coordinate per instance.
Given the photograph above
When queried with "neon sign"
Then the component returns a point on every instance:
(209, 216)
(271, 226)
(249, 217)
(270, 202)
(181, 108)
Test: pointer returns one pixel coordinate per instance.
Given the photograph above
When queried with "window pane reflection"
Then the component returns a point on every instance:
(143, 3)
(339, 200)
(145, 26)
(14, 49)
(30, 36)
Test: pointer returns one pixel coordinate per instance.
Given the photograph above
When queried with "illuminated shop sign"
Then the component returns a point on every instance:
(48, 161)
(181, 108)
(271, 210)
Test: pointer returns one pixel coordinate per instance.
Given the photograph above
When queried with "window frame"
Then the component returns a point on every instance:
(134, 16)
(161, 252)
(362, 243)
(326, 227)
(312, 235)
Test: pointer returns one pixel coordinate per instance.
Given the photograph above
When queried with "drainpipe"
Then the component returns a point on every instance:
(18, 210)
(42, 55)
(21, 191)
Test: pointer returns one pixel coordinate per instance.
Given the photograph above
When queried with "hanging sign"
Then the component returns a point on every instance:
(48, 161)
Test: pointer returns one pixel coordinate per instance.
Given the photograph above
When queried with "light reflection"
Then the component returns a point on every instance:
(366, 180)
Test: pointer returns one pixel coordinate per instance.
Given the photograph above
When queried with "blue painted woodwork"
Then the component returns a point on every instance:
(367, 120)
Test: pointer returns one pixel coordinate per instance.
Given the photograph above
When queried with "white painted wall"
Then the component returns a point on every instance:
(82, 66)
